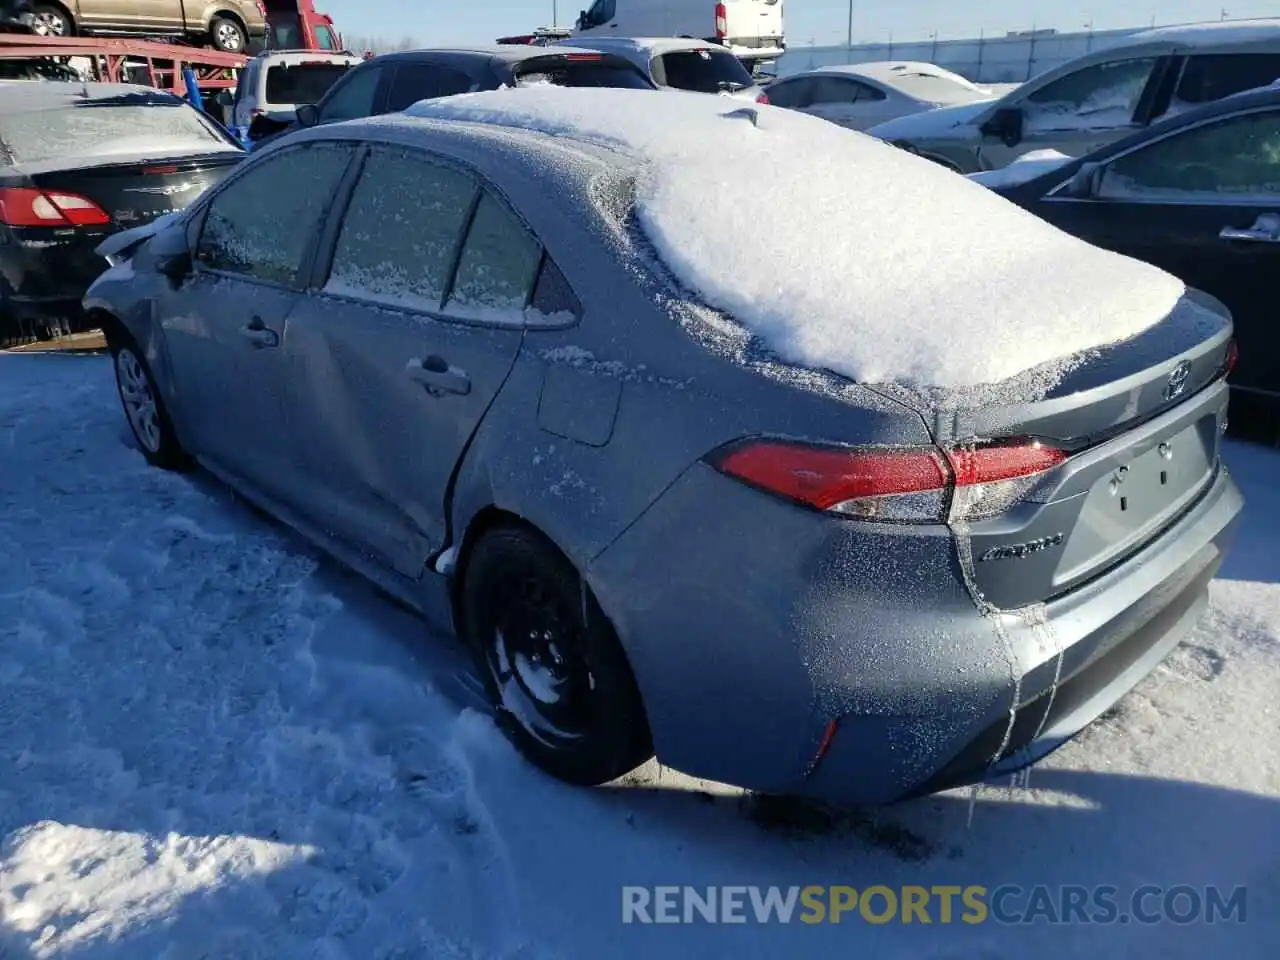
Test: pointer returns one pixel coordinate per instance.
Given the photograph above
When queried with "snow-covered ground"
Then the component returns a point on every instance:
(215, 744)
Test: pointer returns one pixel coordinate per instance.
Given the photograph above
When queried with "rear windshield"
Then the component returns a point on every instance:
(300, 83)
(563, 72)
(103, 127)
(702, 71)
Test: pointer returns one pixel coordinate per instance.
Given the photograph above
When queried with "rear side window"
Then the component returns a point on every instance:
(423, 81)
(401, 232)
(1209, 78)
(324, 39)
(262, 225)
(111, 125)
(579, 70)
(842, 90)
(498, 267)
(702, 71)
(302, 82)
(355, 97)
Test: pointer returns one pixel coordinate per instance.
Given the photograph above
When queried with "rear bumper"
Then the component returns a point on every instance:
(752, 625)
(48, 278)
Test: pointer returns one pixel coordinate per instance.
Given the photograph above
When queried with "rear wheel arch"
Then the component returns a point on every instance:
(629, 743)
(226, 13)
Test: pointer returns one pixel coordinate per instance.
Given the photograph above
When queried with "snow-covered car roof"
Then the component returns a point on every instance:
(1226, 33)
(276, 58)
(650, 46)
(922, 277)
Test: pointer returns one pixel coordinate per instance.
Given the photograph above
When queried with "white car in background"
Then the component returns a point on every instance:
(681, 64)
(862, 95)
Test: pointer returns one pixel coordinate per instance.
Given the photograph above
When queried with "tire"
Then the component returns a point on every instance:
(532, 625)
(50, 20)
(144, 408)
(227, 36)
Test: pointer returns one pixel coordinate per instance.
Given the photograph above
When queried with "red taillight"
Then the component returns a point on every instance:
(1233, 357)
(27, 207)
(911, 484)
(262, 8)
(159, 171)
(580, 57)
(722, 22)
(763, 98)
(1002, 462)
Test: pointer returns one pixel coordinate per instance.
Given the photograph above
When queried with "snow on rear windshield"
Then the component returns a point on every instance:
(98, 127)
(843, 253)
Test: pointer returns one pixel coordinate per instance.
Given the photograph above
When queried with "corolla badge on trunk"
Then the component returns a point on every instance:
(1019, 551)
(1178, 380)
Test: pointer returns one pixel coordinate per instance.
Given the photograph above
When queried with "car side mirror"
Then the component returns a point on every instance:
(1006, 125)
(1086, 181)
(171, 254)
(308, 115)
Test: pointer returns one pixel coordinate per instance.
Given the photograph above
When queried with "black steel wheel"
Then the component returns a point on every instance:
(551, 662)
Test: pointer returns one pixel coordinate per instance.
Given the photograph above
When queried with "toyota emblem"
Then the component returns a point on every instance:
(1177, 384)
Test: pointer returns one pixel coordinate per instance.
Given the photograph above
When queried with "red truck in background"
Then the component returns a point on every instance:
(297, 25)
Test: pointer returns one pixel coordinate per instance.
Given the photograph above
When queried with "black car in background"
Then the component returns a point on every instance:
(79, 161)
(393, 81)
(1197, 194)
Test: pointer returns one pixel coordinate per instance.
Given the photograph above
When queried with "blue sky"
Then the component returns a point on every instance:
(442, 22)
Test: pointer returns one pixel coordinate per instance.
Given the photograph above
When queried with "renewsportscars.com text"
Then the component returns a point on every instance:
(1009, 905)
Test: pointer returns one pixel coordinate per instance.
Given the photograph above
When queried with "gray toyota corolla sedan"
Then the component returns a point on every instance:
(785, 509)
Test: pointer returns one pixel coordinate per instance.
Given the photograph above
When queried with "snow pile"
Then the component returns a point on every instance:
(1023, 170)
(215, 745)
(841, 252)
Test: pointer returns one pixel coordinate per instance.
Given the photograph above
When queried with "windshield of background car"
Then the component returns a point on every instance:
(701, 71)
(123, 124)
(579, 70)
(302, 82)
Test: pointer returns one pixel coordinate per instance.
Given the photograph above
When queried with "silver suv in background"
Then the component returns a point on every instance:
(681, 64)
(1098, 98)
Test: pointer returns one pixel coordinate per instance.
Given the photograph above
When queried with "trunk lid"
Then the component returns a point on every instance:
(1141, 422)
(135, 192)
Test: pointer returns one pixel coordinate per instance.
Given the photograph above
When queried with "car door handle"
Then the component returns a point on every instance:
(256, 332)
(1253, 235)
(436, 374)
(1265, 230)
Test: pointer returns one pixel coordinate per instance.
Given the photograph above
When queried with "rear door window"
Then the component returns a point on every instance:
(842, 90)
(1101, 96)
(579, 70)
(497, 269)
(701, 71)
(1209, 78)
(262, 224)
(423, 81)
(324, 39)
(356, 96)
(300, 83)
(401, 232)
